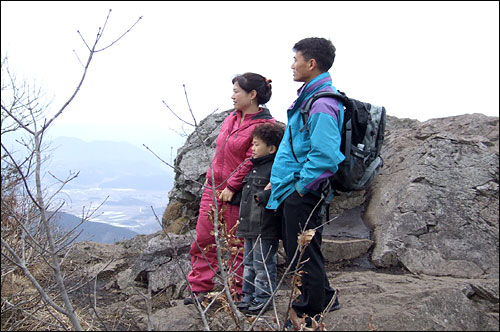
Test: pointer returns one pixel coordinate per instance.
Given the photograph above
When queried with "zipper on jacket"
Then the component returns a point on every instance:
(291, 144)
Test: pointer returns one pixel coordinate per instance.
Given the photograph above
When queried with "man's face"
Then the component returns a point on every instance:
(300, 67)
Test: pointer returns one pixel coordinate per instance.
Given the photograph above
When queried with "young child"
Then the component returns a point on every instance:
(260, 227)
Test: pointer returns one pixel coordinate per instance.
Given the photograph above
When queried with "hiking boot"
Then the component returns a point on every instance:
(309, 324)
(255, 307)
(190, 299)
(336, 304)
(243, 304)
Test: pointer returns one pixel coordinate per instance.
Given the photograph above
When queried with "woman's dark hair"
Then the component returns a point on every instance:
(269, 133)
(319, 49)
(252, 81)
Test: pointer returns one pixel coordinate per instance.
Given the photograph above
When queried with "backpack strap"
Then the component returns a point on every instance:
(374, 164)
(326, 196)
(348, 137)
(348, 125)
(307, 107)
(326, 188)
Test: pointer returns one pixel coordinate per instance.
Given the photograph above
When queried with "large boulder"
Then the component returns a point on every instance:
(433, 208)
(191, 166)
(434, 205)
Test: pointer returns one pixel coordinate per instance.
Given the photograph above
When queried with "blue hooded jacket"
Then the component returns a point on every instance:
(305, 159)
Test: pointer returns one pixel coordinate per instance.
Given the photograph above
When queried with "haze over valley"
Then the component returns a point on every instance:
(129, 180)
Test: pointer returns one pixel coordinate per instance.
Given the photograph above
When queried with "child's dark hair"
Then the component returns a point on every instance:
(252, 81)
(269, 133)
(319, 49)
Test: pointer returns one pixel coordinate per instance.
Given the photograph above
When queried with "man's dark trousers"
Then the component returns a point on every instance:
(316, 290)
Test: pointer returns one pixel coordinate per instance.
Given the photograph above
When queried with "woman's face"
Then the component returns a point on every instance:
(241, 98)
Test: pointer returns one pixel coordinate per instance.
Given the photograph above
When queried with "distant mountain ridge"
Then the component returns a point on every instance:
(93, 231)
(108, 164)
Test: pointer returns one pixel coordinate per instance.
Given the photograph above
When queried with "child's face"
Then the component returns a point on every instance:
(261, 149)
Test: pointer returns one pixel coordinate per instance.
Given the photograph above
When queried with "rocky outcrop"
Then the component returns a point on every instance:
(191, 166)
(434, 206)
(371, 299)
(417, 251)
(378, 300)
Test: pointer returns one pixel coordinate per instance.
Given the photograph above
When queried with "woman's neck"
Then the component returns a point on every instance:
(250, 110)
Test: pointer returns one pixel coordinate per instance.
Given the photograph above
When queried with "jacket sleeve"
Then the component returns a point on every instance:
(324, 156)
(262, 197)
(234, 183)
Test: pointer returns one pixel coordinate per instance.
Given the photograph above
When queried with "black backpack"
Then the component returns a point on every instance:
(362, 138)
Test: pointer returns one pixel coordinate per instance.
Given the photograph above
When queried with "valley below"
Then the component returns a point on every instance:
(116, 183)
(133, 209)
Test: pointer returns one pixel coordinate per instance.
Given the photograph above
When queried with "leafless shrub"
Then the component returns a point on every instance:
(35, 289)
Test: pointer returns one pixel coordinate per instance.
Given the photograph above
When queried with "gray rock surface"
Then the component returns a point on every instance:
(374, 300)
(434, 206)
(191, 166)
(417, 251)
(371, 299)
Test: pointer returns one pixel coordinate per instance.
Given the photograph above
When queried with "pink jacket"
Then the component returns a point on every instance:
(234, 147)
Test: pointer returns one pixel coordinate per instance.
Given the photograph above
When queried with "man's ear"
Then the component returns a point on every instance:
(312, 64)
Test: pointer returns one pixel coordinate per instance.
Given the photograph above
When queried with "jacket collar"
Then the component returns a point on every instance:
(306, 91)
(263, 113)
(263, 160)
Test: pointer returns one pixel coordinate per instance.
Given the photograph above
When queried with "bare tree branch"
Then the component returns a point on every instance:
(190, 124)
(18, 262)
(24, 110)
(140, 18)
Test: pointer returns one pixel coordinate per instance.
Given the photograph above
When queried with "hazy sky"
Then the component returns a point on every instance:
(420, 60)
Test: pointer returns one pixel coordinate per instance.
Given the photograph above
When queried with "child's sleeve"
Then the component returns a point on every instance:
(262, 197)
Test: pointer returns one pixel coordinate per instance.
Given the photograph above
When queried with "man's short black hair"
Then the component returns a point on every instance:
(319, 49)
(269, 133)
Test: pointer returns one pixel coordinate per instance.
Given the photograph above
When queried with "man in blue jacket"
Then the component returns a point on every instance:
(305, 159)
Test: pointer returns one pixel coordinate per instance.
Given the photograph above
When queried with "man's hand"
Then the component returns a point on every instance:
(268, 186)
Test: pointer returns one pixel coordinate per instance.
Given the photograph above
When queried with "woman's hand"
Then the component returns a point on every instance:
(226, 195)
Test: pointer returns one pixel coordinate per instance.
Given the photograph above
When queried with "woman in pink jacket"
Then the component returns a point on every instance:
(230, 165)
